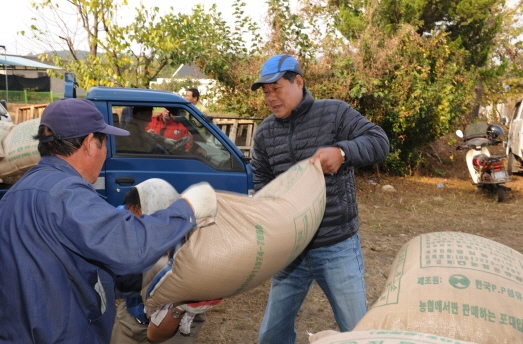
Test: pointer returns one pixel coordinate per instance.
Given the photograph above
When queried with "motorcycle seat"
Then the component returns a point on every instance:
(497, 157)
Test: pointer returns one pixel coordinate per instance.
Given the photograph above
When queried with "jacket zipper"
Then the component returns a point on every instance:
(291, 133)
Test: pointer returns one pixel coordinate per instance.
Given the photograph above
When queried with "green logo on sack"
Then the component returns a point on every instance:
(459, 281)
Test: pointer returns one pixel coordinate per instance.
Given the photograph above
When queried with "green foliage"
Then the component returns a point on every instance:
(414, 87)
(418, 65)
(471, 24)
(175, 85)
(131, 55)
(503, 76)
(428, 93)
(229, 56)
(439, 173)
(351, 18)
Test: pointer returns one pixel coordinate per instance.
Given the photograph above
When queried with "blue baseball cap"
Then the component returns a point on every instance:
(274, 68)
(69, 118)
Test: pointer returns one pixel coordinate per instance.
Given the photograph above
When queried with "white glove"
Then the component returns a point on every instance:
(203, 201)
(191, 309)
(177, 143)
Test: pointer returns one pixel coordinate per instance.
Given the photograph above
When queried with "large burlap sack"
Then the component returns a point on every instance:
(5, 128)
(251, 239)
(454, 285)
(379, 336)
(20, 149)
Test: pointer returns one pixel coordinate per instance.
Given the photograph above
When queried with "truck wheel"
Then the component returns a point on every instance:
(512, 164)
(501, 193)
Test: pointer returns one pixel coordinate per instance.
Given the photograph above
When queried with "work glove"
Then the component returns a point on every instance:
(203, 201)
(177, 143)
(191, 309)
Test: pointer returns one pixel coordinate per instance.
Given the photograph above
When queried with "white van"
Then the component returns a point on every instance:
(515, 139)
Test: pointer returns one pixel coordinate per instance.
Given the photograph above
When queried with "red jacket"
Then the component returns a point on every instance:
(169, 129)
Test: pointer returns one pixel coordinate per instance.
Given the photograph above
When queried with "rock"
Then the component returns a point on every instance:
(388, 188)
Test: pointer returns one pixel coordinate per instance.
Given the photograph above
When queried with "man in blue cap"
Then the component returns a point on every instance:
(62, 244)
(332, 132)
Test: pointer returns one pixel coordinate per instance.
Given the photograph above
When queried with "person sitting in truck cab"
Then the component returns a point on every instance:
(139, 141)
(167, 126)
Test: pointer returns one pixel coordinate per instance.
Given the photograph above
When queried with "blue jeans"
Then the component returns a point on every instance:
(338, 270)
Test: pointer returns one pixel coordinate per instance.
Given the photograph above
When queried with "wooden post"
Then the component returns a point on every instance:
(233, 130)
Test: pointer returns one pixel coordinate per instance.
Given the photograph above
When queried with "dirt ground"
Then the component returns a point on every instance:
(442, 200)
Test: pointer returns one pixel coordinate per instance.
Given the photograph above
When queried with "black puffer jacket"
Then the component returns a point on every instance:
(280, 143)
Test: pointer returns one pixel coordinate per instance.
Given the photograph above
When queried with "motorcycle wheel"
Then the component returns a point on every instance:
(501, 193)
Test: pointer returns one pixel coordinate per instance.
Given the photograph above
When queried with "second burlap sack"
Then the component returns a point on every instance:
(454, 285)
(5, 128)
(20, 149)
(251, 239)
(380, 337)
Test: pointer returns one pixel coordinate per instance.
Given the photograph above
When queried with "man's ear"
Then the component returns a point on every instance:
(299, 81)
(89, 143)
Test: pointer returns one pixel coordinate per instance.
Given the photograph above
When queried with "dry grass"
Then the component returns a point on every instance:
(389, 219)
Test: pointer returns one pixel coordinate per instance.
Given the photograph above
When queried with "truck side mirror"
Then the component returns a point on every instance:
(70, 85)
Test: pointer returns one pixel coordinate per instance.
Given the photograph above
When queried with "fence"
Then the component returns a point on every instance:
(239, 130)
(30, 97)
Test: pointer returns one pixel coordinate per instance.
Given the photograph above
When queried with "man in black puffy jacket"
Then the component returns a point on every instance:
(332, 132)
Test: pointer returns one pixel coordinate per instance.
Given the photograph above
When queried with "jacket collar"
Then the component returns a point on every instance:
(57, 163)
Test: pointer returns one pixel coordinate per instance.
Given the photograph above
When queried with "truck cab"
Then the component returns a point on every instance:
(514, 145)
(189, 150)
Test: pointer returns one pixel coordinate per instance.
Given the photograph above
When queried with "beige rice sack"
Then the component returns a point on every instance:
(455, 285)
(5, 128)
(251, 239)
(379, 336)
(20, 149)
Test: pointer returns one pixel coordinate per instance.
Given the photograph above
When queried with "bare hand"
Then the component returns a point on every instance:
(330, 159)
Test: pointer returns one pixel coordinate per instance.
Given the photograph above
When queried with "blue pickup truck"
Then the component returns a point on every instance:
(208, 155)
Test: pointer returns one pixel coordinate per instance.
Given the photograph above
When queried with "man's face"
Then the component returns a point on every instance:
(100, 154)
(165, 114)
(190, 98)
(283, 96)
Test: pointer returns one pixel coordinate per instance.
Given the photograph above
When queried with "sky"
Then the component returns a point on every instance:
(17, 14)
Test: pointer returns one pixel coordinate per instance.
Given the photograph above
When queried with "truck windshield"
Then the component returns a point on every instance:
(169, 131)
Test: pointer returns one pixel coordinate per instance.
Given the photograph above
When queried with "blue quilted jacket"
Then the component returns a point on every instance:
(280, 143)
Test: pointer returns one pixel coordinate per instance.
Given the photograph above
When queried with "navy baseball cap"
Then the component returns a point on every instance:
(274, 68)
(69, 118)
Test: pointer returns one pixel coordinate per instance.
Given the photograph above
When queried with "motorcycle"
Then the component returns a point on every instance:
(487, 171)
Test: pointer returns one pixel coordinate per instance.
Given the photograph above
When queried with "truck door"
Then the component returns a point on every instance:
(515, 131)
(175, 144)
